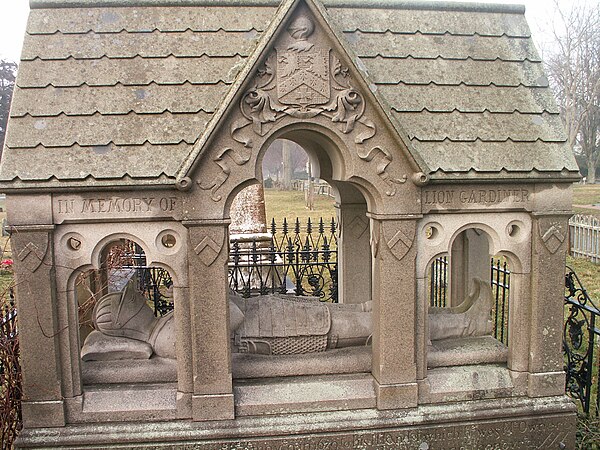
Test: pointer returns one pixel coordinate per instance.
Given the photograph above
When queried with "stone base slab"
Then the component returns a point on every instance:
(517, 423)
(48, 413)
(304, 394)
(546, 384)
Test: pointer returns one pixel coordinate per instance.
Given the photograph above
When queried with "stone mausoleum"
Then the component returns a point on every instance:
(142, 120)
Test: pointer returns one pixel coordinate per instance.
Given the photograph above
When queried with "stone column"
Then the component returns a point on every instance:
(469, 258)
(247, 212)
(519, 319)
(248, 230)
(549, 245)
(354, 254)
(32, 247)
(184, 349)
(394, 300)
(212, 397)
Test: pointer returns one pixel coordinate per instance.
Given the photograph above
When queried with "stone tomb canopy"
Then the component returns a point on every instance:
(435, 126)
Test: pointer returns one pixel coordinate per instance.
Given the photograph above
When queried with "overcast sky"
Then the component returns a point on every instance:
(14, 18)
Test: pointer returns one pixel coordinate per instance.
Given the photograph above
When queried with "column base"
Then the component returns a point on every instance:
(212, 407)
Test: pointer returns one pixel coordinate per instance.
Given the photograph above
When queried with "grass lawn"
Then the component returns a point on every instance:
(291, 205)
(584, 195)
(589, 274)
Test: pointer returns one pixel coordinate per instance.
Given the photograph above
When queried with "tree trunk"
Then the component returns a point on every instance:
(591, 168)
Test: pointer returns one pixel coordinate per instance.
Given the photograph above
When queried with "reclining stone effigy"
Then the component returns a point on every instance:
(275, 324)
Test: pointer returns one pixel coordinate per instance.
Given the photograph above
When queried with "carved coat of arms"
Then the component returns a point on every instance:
(303, 77)
(302, 68)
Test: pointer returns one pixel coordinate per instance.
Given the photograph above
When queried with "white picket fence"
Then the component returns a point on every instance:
(584, 234)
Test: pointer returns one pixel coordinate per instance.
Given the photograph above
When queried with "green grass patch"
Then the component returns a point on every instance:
(586, 195)
(292, 205)
(589, 274)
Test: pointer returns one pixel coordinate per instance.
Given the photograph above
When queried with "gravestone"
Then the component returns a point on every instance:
(434, 125)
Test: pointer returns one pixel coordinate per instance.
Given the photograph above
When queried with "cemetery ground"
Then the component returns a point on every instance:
(585, 196)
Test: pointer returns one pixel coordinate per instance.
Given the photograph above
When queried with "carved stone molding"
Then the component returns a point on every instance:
(239, 158)
(302, 79)
(375, 238)
(384, 159)
(358, 226)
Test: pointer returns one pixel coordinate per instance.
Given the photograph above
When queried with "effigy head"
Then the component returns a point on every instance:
(124, 313)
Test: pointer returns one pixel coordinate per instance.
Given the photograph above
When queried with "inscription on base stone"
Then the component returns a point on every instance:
(473, 198)
(114, 207)
(539, 433)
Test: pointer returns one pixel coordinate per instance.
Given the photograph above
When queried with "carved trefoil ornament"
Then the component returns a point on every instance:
(552, 234)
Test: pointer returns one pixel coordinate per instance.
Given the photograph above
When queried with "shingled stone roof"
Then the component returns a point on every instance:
(117, 92)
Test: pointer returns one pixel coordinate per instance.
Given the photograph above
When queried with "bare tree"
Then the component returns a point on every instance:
(573, 65)
(8, 73)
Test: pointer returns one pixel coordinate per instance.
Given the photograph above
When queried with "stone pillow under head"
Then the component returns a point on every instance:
(100, 347)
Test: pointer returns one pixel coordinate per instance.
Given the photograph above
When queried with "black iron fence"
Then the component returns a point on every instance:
(500, 281)
(438, 282)
(297, 259)
(580, 345)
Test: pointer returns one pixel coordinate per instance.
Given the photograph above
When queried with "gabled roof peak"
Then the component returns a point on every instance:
(374, 4)
(302, 80)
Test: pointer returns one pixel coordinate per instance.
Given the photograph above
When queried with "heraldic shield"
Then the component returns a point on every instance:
(399, 236)
(303, 76)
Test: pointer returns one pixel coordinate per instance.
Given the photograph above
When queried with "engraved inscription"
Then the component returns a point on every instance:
(94, 206)
(474, 196)
(517, 434)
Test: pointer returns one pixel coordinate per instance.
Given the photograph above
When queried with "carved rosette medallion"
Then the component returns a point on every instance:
(552, 234)
(399, 236)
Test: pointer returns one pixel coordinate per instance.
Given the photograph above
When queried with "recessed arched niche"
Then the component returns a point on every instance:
(125, 312)
(315, 277)
(468, 301)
